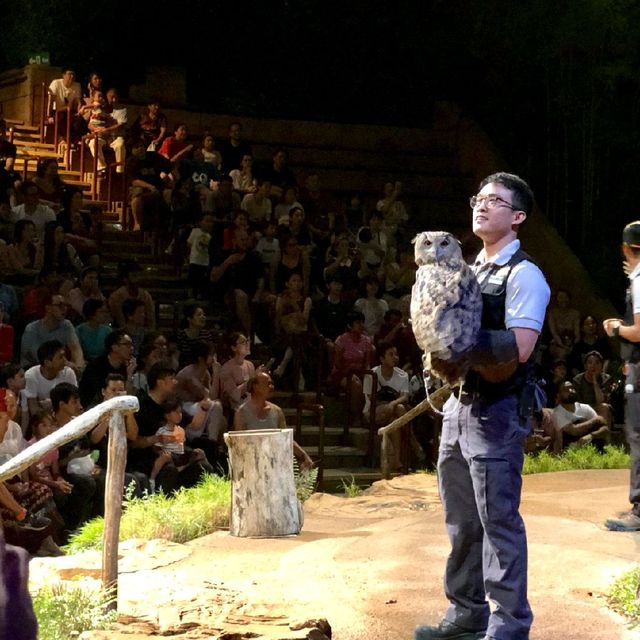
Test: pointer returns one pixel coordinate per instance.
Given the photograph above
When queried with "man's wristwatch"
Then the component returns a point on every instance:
(615, 332)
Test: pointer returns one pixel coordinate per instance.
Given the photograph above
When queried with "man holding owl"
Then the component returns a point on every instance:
(482, 443)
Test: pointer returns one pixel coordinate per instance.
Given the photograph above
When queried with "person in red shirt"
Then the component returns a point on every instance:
(177, 146)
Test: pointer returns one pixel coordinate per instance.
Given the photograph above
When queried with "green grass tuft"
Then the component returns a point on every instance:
(187, 515)
(351, 489)
(579, 458)
(64, 611)
(623, 596)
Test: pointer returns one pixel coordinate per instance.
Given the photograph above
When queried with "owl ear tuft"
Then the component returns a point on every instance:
(416, 238)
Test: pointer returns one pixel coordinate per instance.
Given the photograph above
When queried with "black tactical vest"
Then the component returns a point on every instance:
(494, 294)
(629, 351)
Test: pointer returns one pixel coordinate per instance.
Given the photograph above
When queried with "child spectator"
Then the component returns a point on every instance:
(289, 201)
(209, 153)
(94, 331)
(372, 306)
(268, 248)
(198, 242)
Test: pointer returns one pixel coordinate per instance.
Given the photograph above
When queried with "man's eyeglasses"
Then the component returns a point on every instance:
(125, 344)
(490, 202)
(241, 341)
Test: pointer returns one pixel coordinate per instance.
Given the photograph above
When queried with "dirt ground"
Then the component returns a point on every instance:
(372, 566)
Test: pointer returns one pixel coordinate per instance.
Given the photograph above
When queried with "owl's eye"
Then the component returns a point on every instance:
(444, 243)
(428, 243)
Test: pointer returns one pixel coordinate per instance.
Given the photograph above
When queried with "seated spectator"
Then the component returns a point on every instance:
(591, 385)
(395, 332)
(193, 331)
(316, 206)
(94, 84)
(148, 174)
(268, 248)
(42, 378)
(297, 228)
(115, 139)
(118, 358)
(147, 357)
(239, 220)
(223, 201)
(371, 306)
(198, 242)
(237, 278)
(129, 275)
(590, 341)
(150, 418)
(105, 130)
(33, 209)
(400, 276)
(577, 423)
(373, 245)
(292, 260)
(77, 506)
(114, 386)
(52, 326)
(257, 412)
(22, 525)
(392, 396)
(49, 183)
(8, 303)
(293, 309)
(233, 149)
(243, 180)
(353, 353)
(60, 254)
(93, 332)
(8, 150)
(342, 262)
(392, 209)
(150, 126)
(554, 380)
(65, 91)
(330, 312)
(235, 372)
(36, 297)
(171, 447)
(88, 289)
(209, 153)
(564, 324)
(25, 255)
(12, 379)
(257, 204)
(77, 225)
(289, 201)
(133, 311)
(177, 146)
(278, 175)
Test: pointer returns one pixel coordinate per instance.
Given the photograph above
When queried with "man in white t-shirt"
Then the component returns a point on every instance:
(198, 242)
(65, 91)
(51, 371)
(576, 422)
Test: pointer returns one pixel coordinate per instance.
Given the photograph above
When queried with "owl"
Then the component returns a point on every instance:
(446, 303)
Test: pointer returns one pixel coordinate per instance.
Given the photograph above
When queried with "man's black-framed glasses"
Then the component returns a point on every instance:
(491, 202)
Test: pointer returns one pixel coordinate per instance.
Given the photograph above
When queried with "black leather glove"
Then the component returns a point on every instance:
(495, 355)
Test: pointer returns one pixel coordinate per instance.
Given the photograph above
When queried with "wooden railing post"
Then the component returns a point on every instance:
(67, 152)
(43, 110)
(114, 486)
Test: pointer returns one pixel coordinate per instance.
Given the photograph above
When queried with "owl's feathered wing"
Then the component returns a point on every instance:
(446, 310)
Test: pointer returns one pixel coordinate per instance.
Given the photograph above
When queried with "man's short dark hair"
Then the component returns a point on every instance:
(354, 316)
(47, 350)
(113, 377)
(383, 347)
(7, 371)
(90, 307)
(593, 354)
(158, 371)
(522, 193)
(63, 392)
(113, 338)
(200, 350)
(172, 403)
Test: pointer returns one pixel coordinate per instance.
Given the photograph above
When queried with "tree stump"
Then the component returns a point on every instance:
(263, 493)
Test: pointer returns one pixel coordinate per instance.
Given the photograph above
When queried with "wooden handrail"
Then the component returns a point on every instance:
(116, 462)
(43, 109)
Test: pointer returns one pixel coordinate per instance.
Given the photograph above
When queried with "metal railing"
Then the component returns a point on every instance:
(114, 484)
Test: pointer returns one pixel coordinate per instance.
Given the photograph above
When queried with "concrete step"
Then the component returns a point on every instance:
(339, 456)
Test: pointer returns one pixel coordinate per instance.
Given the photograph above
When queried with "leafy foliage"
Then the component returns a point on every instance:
(305, 481)
(189, 514)
(351, 489)
(66, 610)
(581, 458)
(623, 595)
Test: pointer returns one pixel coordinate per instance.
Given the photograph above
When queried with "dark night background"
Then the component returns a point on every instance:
(555, 84)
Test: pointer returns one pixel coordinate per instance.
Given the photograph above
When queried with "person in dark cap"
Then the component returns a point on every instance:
(627, 330)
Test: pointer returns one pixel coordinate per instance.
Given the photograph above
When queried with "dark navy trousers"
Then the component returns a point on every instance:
(632, 433)
(480, 480)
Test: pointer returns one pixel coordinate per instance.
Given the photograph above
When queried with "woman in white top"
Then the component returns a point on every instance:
(243, 180)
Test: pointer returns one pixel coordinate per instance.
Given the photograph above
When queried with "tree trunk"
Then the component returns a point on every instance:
(263, 494)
